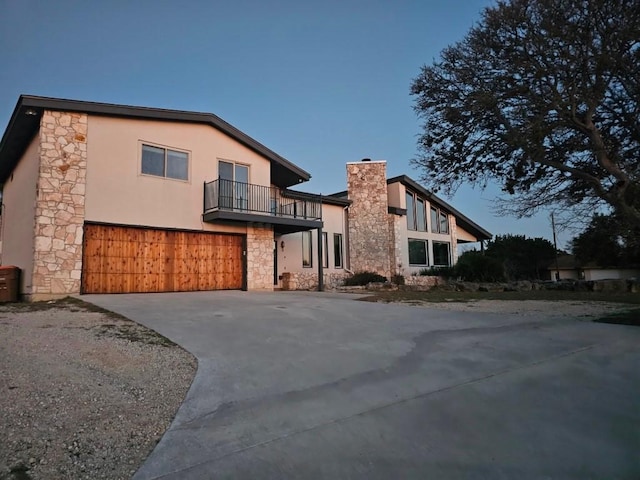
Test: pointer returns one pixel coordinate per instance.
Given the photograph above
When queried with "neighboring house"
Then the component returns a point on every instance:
(102, 198)
(569, 268)
(389, 226)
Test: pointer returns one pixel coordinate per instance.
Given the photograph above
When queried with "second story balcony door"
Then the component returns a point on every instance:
(234, 193)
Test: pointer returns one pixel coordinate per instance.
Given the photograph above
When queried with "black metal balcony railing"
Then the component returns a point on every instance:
(248, 198)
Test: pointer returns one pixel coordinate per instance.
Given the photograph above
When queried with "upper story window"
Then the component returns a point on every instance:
(439, 221)
(164, 162)
(233, 171)
(233, 195)
(416, 213)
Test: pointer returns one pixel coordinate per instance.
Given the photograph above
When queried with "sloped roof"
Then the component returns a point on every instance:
(25, 121)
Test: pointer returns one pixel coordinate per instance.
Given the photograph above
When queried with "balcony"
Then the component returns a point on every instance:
(287, 211)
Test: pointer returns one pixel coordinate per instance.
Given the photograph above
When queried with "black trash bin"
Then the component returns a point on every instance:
(9, 283)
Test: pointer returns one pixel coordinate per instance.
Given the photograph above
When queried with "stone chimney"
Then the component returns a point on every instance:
(369, 235)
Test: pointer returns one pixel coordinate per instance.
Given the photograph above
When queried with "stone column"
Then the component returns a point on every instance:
(59, 213)
(453, 229)
(369, 236)
(259, 258)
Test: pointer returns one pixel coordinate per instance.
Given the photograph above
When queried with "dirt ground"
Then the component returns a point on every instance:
(85, 394)
(567, 308)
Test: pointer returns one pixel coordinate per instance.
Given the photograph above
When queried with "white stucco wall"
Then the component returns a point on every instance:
(117, 192)
(290, 257)
(18, 214)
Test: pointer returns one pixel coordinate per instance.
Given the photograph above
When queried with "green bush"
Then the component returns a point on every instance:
(364, 278)
(474, 266)
(445, 272)
(398, 279)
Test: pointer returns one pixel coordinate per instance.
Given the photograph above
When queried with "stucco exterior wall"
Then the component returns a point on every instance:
(610, 274)
(18, 215)
(117, 192)
(290, 257)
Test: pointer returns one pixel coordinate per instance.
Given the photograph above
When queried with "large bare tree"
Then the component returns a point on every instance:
(542, 96)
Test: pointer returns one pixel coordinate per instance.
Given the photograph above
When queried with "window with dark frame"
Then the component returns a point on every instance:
(418, 252)
(337, 250)
(411, 216)
(439, 221)
(307, 254)
(441, 254)
(164, 162)
(325, 250)
(416, 212)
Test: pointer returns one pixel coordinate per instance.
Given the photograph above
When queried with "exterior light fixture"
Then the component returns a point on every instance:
(31, 112)
(282, 245)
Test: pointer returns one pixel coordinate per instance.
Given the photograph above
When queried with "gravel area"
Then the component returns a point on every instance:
(564, 308)
(84, 394)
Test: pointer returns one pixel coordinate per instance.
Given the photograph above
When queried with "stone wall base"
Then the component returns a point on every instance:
(426, 282)
(309, 280)
(45, 297)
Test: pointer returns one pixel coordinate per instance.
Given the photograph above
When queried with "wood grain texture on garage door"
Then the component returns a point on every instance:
(127, 259)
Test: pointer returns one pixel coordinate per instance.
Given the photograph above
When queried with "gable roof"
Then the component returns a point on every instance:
(465, 222)
(25, 121)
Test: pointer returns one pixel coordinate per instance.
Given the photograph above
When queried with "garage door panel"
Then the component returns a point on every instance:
(129, 259)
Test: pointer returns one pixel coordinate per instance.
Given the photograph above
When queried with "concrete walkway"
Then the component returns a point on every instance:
(315, 386)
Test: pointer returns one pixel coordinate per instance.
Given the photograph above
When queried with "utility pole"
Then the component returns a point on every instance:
(555, 246)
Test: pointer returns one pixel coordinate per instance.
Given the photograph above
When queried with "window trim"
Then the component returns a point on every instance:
(339, 251)
(166, 149)
(325, 250)
(426, 251)
(440, 215)
(412, 211)
(307, 234)
(448, 244)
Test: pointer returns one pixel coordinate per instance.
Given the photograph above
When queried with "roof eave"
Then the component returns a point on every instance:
(283, 172)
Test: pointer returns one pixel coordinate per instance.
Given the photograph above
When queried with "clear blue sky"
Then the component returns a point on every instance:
(321, 83)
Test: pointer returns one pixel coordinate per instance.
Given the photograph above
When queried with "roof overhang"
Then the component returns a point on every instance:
(25, 121)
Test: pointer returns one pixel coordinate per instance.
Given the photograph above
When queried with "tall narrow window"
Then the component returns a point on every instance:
(421, 220)
(434, 220)
(306, 250)
(411, 216)
(163, 162)
(444, 223)
(337, 250)
(325, 250)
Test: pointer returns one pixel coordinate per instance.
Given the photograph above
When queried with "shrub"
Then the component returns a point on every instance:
(364, 278)
(474, 266)
(445, 272)
(398, 279)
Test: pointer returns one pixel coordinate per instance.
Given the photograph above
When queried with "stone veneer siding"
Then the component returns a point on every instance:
(453, 231)
(59, 212)
(309, 280)
(259, 258)
(369, 235)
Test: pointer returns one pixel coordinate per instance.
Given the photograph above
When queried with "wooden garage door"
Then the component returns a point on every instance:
(124, 259)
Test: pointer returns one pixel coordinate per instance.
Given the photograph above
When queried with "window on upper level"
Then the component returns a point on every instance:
(439, 221)
(416, 214)
(164, 162)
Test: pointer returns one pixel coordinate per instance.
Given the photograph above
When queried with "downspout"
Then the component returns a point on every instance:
(320, 252)
(347, 258)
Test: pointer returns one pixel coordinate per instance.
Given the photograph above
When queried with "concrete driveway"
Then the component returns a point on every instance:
(308, 385)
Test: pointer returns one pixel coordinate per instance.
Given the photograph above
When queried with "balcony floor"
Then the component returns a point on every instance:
(281, 224)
